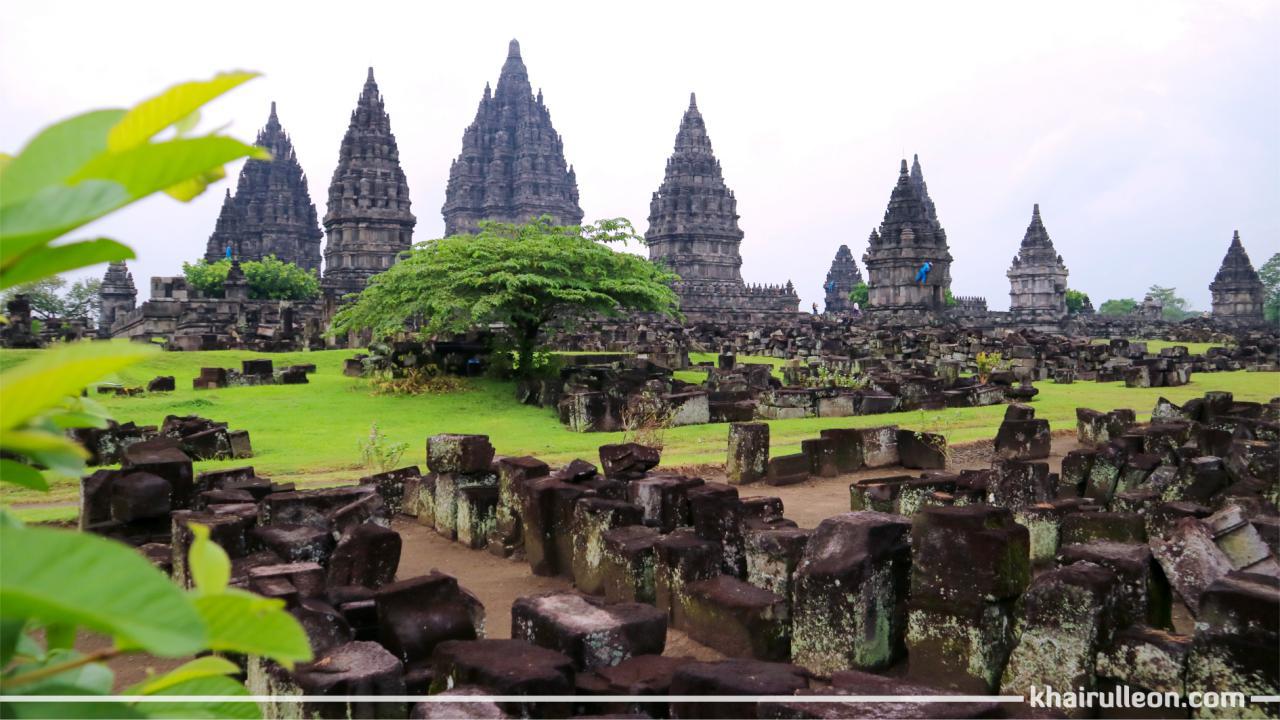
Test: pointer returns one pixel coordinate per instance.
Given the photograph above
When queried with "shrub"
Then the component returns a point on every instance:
(378, 453)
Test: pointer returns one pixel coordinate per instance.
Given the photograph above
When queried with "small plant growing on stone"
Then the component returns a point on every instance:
(828, 377)
(378, 453)
(645, 420)
(989, 362)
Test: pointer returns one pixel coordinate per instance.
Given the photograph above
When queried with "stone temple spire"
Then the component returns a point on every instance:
(117, 296)
(909, 236)
(693, 216)
(512, 166)
(368, 220)
(1037, 279)
(841, 279)
(693, 229)
(1238, 293)
(271, 212)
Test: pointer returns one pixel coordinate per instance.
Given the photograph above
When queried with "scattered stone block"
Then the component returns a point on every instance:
(643, 675)
(1023, 439)
(475, 514)
(733, 677)
(879, 446)
(850, 593)
(737, 618)
(748, 454)
(1089, 525)
(1074, 475)
(459, 453)
(1190, 559)
(820, 453)
(627, 564)
(368, 555)
(848, 448)
(1146, 659)
(591, 632)
(921, 450)
(392, 485)
(852, 682)
(295, 543)
(140, 496)
(1144, 596)
(773, 556)
(162, 383)
(681, 557)
(717, 514)
(504, 667)
(663, 499)
(355, 668)
(592, 518)
(788, 469)
(416, 615)
(1236, 647)
(513, 474)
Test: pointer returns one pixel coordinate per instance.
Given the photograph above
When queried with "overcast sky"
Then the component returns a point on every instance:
(1147, 132)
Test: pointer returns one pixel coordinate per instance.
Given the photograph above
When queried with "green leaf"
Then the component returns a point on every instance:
(173, 106)
(12, 471)
(187, 190)
(60, 636)
(48, 261)
(57, 576)
(55, 211)
(200, 667)
(68, 420)
(153, 167)
(41, 382)
(208, 685)
(88, 679)
(242, 622)
(59, 453)
(210, 566)
(55, 154)
(10, 633)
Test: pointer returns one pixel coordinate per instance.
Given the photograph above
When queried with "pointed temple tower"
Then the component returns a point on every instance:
(1237, 290)
(693, 230)
(118, 296)
(841, 279)
(909, 236)
(271, 212)
(512, 165)
(1037, 279)
(368, 221)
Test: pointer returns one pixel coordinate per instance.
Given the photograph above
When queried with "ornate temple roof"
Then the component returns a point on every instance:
(1037, 248)
(271, 212)
(1236, 269)
(368, 181)
(512, 166)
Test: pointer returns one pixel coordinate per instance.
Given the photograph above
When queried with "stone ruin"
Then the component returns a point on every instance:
(1038, 280)
(976, 582)
(841, 279)
(909, 236)
(259, 371)
(1238, 293)
(197, 437)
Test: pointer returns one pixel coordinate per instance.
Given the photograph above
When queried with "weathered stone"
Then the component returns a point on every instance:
(1236, 647)
(476, 514)
(879, 446)
(479, 709)
(1090, 525)
(1104, 473)
(355, 668)
(505, 667)
(592, 518)
(628, 461)
(848, 448)
(459, 453)
(310, 507)
(416, 615)
(681, 558)
(544, 500)
(1190, 559)
(1019, 483)
(850, 593)
(922, 450)
(772, 557)
(140, 496)
(853, 682)
(1146, 659)
(717, 513)
(1144, 594)
(663, 499)
(642, 675)
(1023, 439)
(513, 474)
(392, 486)
(163, 458)
(821, 455)
(737, 618)
(589, 631)
(788, 469)
(627, 563)
(295, 543)
(732, 677)
(368, 556)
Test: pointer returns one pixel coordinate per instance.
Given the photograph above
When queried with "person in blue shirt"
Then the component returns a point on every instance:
(923, 274)
(228, 252)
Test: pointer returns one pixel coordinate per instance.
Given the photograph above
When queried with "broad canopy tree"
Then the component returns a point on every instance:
(523, 276)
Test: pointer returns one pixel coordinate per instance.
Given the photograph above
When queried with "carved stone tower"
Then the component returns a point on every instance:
(117, 296)
(693, 230)
(1238, 293)
(1037, 279)
(909, 236)
(841, 279)
(368, 220)
(512, 165)
(271, 212)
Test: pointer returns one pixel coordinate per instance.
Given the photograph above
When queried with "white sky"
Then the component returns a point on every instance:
(1147, 131)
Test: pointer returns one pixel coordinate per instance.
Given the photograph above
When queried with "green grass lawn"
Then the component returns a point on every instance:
(309, 434)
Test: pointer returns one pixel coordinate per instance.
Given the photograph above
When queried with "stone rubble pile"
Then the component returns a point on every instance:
(253, 372)
(199, 438)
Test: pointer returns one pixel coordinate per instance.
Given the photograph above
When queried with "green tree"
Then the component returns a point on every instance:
(269, 278)
(948, 299)
(1270, 275)
(1076, 301)
(54, 583)
(1117, 308)
(523, 276)
(859, 294)
(1175, 308)
(51, 297)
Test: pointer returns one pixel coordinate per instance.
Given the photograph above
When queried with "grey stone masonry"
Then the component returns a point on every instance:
(841, 279)
(271, 212)
(1037, 279)
(1237, 291)
(117, 294)
(368, 221)
(909, 236)
(512, 166)
(693, 230)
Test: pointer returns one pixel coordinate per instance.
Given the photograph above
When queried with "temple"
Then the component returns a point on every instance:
(693, 230)
(368, 222)
(271, 212)
(1037, 279)
(117, 296)
(1238, 293)
(841, 279)
(909, 237)
(512, 166)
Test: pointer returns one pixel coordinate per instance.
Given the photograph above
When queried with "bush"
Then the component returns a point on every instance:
(424, 380)
(988, 363)
(269, 279)
(378, 453)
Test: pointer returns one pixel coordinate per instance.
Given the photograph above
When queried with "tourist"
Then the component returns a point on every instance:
(923, 275)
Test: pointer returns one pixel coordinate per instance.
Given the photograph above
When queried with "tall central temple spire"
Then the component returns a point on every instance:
(368, 221)
(1238, 292)
(512, 166)
(693, 230)
(1037, 279)
(693, 216)
(271, 212)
